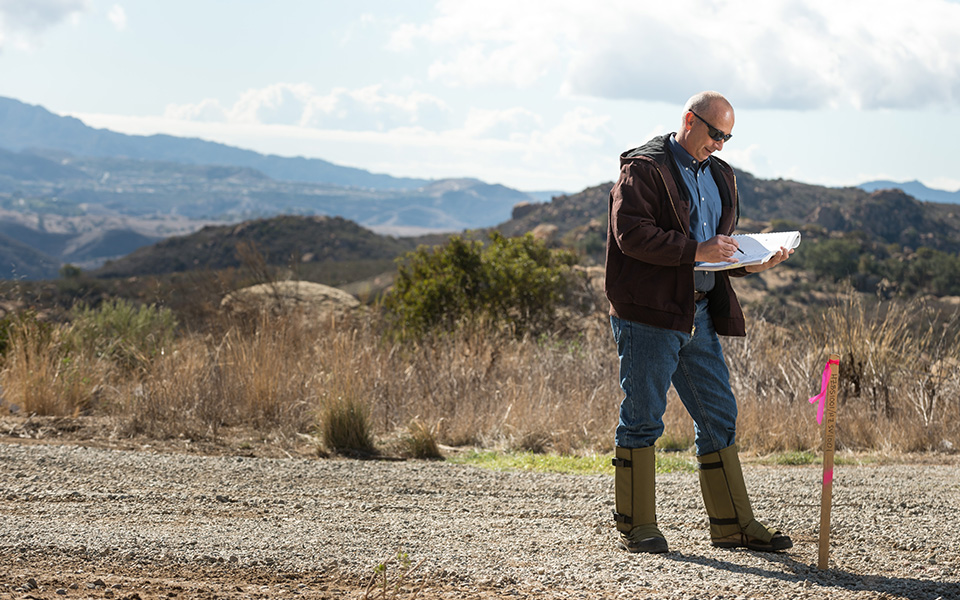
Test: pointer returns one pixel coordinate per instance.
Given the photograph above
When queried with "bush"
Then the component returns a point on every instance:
(836, 259)
(128, 335)
(514, 282)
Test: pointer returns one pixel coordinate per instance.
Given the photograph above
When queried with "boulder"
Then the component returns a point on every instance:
(314, 300)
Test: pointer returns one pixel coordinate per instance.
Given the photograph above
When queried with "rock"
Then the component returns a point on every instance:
(522, 209)
(545, 232)
(314, 300)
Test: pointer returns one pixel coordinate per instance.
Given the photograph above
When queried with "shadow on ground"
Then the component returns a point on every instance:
(793, 571)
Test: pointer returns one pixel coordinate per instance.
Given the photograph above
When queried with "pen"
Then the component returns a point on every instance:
(740, 251)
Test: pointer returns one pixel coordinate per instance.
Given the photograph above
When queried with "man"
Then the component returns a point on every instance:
(675, 205)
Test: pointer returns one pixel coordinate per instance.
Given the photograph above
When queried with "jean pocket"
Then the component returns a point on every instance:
(616, 325)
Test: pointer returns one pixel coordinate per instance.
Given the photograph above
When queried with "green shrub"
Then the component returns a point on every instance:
(514, 282)
(835, 259)
(129, 335)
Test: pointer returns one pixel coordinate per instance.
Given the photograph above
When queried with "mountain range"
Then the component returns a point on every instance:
(29, 127)
(81, 195)
(73, 194)
(915, 189)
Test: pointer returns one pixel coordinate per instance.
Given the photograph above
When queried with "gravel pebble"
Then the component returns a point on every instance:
(894, 527)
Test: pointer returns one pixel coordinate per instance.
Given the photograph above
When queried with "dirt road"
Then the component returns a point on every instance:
(84, 522)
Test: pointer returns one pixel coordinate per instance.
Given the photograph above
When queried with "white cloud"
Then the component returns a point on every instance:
(798, 54)
(368, 108)
(511, 146)
(950, 184)
(118, 17)
(508, 123)
(22, 21)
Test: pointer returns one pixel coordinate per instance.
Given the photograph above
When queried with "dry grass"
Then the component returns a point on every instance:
(40, 376)
(899, 378)
(286, 376)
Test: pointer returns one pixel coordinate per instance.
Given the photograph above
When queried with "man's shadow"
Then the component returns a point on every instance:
(797, 572)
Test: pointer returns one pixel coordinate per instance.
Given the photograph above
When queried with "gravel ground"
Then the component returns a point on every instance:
(84, 522)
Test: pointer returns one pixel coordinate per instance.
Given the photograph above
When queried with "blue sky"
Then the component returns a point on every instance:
(536, 95)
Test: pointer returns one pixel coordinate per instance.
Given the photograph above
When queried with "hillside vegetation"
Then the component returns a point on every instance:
(173, 363)
(282, 241)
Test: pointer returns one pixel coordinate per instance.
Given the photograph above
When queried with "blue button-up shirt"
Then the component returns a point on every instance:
(705, 205)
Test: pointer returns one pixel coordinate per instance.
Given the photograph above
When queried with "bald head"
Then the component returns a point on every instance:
(708, 103)
(707, 123)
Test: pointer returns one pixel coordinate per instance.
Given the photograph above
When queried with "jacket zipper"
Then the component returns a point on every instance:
(672, 203)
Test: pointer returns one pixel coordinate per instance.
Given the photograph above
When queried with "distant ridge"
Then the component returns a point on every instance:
(915, 189)
(25, 126)
(20, 261)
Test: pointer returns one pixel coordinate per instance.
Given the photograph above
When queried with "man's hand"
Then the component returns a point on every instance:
(774, 260)
(719, 248)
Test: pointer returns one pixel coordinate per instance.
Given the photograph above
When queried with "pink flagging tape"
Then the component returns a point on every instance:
(828, 477)
(821, 398)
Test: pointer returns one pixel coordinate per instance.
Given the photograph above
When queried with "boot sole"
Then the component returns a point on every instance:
(647, 546)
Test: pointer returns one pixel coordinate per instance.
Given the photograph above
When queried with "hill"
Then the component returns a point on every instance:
(281, 241)
(19, 261)
(887, 215)
(915, 189)
(885, 242)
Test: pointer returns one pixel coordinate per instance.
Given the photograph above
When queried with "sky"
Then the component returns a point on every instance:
(532, 94)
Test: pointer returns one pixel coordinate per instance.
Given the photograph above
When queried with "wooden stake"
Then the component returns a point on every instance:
(829, 447)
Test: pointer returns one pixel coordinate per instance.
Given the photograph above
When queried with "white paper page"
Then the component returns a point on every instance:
(757, 248)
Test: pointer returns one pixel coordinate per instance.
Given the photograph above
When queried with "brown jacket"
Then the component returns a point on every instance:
(650, 252)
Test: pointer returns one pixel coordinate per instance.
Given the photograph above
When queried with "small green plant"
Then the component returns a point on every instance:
(346, 427)
(380, 580)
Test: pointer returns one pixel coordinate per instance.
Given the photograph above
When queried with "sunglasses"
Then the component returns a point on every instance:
(714, 133)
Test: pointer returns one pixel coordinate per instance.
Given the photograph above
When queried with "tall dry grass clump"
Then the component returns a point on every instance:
(180, 395)
(261, 374)
(44, 373)
(899, 378)
(484, 386)
(345, 358)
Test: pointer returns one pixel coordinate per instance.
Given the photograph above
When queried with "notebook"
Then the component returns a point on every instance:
(757, 249)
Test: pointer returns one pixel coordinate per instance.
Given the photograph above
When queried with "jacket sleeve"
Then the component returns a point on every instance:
(646, 220)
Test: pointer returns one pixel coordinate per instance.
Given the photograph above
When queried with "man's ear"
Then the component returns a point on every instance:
(688, 120)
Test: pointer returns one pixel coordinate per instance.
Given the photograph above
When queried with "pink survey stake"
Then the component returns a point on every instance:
(821, 399)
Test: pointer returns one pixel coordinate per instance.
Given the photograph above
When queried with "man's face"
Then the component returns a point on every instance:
(698, 142)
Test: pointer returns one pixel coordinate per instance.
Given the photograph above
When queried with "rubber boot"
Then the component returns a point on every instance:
(725, 496)
(636, 513)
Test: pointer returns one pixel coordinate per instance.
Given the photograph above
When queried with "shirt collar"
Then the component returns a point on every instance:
(684, 158)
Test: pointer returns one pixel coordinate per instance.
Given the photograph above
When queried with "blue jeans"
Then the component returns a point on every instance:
(650, 359)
